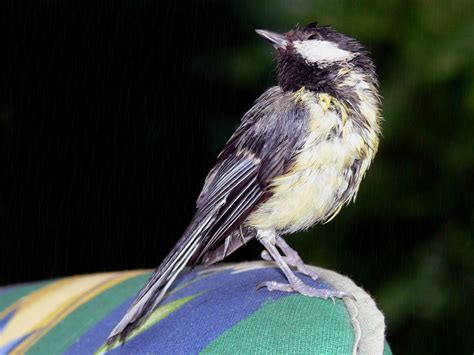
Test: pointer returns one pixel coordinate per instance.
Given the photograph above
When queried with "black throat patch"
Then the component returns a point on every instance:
(294, 73)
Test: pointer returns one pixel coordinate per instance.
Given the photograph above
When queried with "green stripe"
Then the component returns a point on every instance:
(291, 325)
(9, 297)
(66, 332)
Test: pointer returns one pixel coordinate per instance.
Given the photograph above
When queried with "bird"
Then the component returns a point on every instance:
(297, 157)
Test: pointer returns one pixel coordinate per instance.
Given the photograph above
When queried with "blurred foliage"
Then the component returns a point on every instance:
(409, 237)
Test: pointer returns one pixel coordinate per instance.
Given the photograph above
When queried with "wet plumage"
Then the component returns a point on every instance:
(297, 157)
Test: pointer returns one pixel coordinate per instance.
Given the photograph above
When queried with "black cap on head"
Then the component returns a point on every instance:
(312, 56)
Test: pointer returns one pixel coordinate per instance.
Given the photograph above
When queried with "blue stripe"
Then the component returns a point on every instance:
(226, 299)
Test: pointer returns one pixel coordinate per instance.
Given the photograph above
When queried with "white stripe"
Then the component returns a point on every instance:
(177, 271)
(314, 50)
(237, 172)
(191, 239)
(176, 258)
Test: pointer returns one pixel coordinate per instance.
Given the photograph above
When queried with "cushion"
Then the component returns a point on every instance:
(214, 310)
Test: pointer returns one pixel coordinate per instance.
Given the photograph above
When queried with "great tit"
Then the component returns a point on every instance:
(297, 157)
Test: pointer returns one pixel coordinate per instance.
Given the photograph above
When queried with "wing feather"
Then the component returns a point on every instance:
(262, 147)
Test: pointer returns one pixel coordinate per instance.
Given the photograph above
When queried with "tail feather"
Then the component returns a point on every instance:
(161, 280)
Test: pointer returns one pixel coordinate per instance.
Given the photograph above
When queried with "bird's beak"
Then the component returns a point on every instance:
(276, 39)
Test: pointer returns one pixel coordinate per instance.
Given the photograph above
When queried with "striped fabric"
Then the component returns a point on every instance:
(216, 310)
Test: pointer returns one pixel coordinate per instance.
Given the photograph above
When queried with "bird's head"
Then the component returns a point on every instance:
(318, 58)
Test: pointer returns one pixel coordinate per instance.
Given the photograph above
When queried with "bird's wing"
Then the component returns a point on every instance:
(265, 144)
(242, 180)
(261, 148)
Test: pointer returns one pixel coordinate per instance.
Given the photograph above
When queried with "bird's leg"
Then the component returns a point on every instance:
(291, 257)
(268, 240)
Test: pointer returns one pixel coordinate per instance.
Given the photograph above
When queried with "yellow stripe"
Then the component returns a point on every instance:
(39, 292)
(43, 309)
(299, 95)
(58, 316)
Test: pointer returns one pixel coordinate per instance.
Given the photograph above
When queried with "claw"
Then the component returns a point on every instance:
(303, 269)
(304, 289)
(266, 256)
(275, 286)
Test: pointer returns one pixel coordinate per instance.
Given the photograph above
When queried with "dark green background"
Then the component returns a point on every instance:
(111, 114)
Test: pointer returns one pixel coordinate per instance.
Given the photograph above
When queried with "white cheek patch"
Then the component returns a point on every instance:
(314, 50)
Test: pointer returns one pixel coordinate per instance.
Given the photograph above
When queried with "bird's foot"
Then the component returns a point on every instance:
(294, 262)
(295, 284)
(300, 287)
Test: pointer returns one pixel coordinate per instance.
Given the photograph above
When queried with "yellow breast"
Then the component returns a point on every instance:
(319, 182)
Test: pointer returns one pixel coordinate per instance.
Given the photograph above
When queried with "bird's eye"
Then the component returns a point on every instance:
(314, 36)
